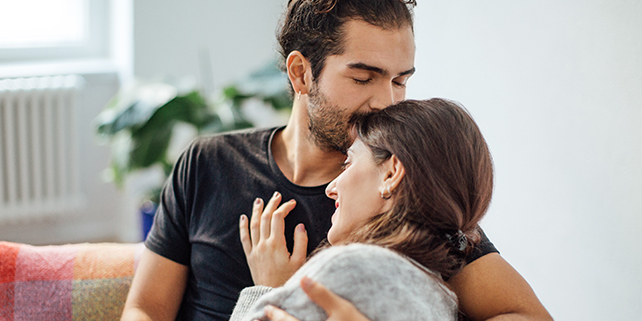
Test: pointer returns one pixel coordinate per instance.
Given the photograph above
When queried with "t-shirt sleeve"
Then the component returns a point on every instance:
(169, 235)
(485, 246)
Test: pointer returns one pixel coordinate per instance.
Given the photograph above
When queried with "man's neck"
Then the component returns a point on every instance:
(299, 158)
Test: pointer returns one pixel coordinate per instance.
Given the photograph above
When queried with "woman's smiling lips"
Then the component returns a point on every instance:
(336, 205)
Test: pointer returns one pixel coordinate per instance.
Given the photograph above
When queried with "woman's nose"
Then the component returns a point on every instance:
(331, 190)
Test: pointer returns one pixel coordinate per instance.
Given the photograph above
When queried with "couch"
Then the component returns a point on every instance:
(86, 281)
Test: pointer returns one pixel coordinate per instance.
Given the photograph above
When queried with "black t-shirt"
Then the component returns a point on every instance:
(215, 181)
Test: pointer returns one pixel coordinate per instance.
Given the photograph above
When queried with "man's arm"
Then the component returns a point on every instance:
(157, 289)
(491, 289)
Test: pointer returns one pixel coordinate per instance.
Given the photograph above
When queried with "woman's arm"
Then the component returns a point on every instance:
(246, 299)
(334, 306)
(374, 278)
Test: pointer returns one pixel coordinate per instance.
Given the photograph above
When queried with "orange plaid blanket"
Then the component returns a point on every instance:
(65, 282)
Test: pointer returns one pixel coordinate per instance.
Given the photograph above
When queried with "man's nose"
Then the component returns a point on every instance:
(383, 97)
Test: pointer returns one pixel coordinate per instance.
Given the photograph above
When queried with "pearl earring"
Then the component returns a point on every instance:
(386, 196)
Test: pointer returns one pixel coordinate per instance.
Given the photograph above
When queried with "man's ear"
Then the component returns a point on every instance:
(298, 69)
(393, 173)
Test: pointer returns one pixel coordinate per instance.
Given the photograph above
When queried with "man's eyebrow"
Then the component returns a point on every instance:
(407, 72)
(383, 72)
(362, 66)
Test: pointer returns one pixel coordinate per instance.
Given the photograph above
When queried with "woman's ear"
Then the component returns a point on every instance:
(393, 173)
(298, 69)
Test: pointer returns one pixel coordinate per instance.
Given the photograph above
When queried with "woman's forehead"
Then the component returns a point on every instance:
(357, 146)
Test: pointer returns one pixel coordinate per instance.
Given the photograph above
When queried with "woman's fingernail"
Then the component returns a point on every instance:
(306, 282)
(268, 308)
(257, 201)
(276, 194)
(300, 227)
(243, 217)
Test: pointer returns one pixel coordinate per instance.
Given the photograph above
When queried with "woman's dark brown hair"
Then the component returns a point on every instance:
(447, 185)
(314, 27)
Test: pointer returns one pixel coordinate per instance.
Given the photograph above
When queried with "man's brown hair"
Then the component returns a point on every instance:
(314, 27)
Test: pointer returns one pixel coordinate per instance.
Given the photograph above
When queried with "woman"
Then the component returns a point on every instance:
(417, 180)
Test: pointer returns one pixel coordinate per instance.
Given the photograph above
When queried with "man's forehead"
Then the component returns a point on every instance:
(366, 45)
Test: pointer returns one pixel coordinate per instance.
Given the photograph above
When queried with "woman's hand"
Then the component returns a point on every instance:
(264, 245)
(337, 308)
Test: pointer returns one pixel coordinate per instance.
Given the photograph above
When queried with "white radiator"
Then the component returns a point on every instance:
(38, 154)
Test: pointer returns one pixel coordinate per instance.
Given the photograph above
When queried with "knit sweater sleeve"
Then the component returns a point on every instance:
(382, 285)
(247, 297)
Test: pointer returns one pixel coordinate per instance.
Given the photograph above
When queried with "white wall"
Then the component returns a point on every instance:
(171, 36)
(556, 89)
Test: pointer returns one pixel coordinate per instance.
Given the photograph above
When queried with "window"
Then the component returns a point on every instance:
(37, 30)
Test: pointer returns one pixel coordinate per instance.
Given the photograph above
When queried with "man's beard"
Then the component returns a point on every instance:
(329, 124)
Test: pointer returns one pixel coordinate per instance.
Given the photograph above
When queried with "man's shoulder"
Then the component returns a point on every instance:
(221, 153)
(483, 247)
(250, 137)
(221, 146)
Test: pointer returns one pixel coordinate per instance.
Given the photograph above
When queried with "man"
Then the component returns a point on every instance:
(342, 57)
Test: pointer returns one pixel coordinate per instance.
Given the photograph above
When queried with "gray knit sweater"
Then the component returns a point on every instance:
(382, 284)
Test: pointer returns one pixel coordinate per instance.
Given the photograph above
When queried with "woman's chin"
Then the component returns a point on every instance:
(331, 237)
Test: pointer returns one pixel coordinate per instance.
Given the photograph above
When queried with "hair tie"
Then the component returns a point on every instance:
(459, 241)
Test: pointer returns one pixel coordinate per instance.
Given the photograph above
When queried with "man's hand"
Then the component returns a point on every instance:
(264, 244)
(337, 308)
